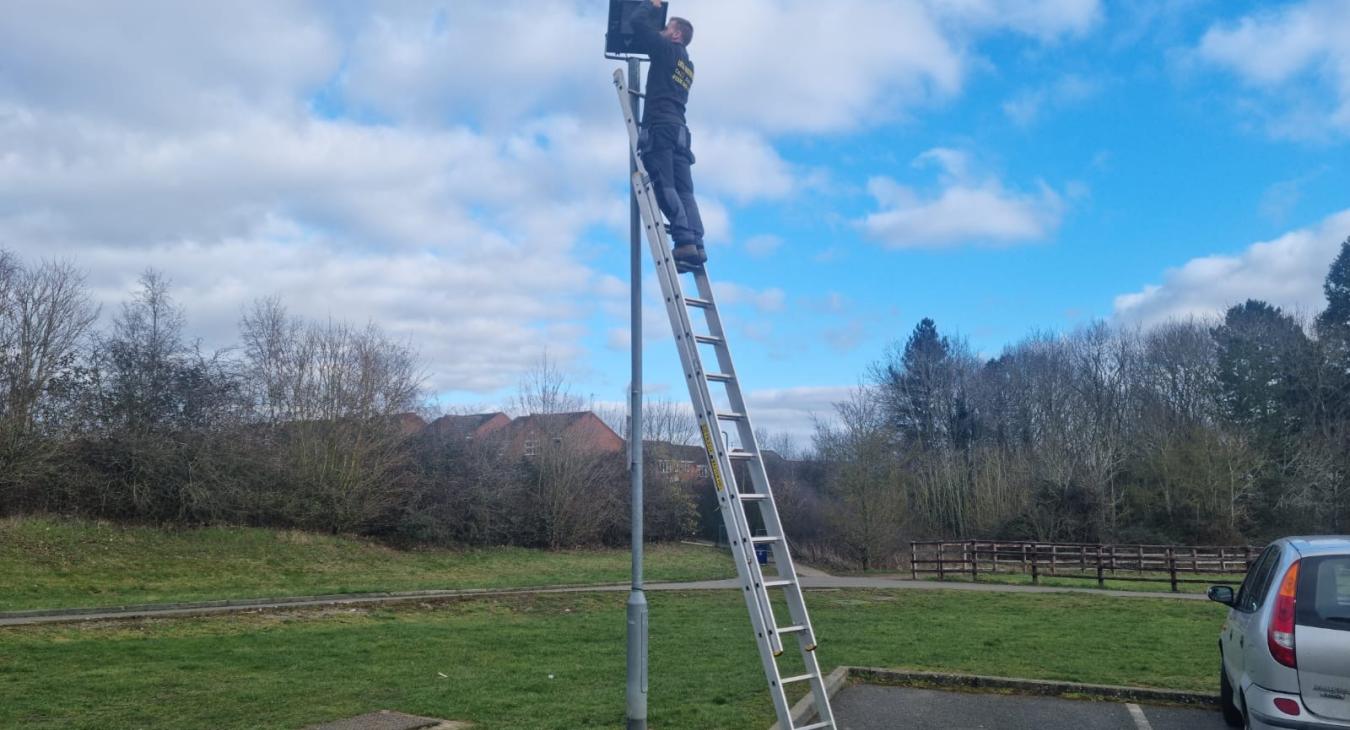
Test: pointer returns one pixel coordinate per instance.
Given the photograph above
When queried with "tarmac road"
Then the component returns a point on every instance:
(869, 707)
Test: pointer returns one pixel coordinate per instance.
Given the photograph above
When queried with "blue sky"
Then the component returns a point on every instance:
(454, 172)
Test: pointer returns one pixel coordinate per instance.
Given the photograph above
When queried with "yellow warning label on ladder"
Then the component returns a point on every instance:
(712, 458)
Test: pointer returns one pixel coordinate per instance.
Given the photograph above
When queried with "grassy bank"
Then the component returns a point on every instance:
(46, 563)
(558, 661)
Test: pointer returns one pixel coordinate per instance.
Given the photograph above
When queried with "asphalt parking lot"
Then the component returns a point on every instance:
(869, 707)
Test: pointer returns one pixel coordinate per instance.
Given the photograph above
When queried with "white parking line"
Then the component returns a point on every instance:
(1138, 714)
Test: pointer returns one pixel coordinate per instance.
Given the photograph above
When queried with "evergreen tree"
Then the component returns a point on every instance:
(912, 383)
(1334, 321)
(1262, 354)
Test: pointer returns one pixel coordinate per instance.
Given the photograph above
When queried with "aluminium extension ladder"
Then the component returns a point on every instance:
(738, 506)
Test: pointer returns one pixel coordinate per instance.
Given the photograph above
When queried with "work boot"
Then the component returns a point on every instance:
(689, 257)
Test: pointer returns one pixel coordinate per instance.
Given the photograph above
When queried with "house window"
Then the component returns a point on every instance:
(702, 471)
(531, 447)
(665, 466)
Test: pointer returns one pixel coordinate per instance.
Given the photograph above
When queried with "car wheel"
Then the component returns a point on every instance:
(1232, 715)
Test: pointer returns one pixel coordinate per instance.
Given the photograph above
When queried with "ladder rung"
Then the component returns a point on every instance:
(762, 539)
(741, 455)
(730, 416)
(791, 629)
(752, 497)
(709, 340)
(719, 378)
(696, 302)
(816, 726)
(777, 583)
(797, 678)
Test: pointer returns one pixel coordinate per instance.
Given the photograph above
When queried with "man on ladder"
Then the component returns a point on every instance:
(664, 141)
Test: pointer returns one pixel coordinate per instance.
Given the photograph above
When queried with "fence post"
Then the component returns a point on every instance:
(913, 561)
(1172, 567)
(1100, 583)
(974, 561)
(1024, 558)
(1035, 574)
(941, 554)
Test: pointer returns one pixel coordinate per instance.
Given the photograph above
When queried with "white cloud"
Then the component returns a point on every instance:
(1299, 54)
(164, 62)
(496, 62)
(1287, 272)
(763, 245)
(1025, 108)
(793, 411)
(1044, 19)
(766, 301)
(430, 166)
(740, 165)
(970, 208)
(474, 328)
(716, 220)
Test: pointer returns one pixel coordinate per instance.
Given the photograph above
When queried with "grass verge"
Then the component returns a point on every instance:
(557, 661)
(47, 563)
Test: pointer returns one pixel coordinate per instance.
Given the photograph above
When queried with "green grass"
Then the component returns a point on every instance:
(557, 661)
(46, 563)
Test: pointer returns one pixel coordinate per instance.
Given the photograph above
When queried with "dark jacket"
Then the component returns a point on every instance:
(672, 72)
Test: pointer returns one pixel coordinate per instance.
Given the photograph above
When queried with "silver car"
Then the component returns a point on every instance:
(1285, 648)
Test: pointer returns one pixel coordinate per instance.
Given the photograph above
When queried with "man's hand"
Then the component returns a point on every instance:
(658, 3)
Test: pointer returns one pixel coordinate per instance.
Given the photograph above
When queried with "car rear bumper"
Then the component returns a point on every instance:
(1265, 716)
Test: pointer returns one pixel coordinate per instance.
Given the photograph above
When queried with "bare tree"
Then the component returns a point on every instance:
(44, 313)
(867, 504)
(545, 388)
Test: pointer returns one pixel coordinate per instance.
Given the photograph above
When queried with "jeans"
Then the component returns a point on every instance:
(666, 155)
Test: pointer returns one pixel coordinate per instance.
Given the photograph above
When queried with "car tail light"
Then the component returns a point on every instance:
(1280, 637)
(1287, 706)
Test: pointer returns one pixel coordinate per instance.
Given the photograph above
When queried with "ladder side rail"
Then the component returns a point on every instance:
(796, 602)
(761, 613)
(692, 363)
(757, 600)
(759, 477)
(736, 521)
(737, 404)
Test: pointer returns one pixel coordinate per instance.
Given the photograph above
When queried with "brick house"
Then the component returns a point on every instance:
(679, 461)
(473, 427)
(527, 435)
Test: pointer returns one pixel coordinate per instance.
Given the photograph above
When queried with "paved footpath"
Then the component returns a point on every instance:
(811, 579)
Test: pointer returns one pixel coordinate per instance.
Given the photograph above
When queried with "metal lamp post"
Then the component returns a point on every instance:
(618, 45)
(637, 599)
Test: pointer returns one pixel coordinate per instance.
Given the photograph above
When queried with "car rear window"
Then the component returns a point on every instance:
(1324, 592)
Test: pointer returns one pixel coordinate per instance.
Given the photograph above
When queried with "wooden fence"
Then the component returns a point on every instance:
(1091, 561)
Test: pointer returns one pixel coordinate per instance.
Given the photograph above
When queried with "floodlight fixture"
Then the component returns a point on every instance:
(619, 36)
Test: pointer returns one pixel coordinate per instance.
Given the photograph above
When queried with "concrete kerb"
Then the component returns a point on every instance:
(804, 711)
